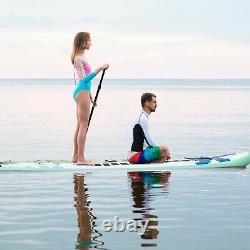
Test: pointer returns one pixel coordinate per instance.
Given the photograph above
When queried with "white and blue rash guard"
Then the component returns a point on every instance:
(139, 134)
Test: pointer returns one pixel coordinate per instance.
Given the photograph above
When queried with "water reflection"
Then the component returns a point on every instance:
(88, 235)
(142, 184)
(142, 192)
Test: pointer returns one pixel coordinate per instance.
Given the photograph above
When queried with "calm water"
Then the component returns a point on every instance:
(191, 209)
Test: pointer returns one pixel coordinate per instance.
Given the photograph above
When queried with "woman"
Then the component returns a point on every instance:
(81, 94)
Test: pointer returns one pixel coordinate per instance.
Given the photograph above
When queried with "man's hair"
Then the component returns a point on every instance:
(146, 97)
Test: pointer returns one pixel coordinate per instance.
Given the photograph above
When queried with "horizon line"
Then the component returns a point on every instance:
(172, 78)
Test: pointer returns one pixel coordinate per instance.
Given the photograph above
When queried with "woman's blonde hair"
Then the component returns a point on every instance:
(79, 42)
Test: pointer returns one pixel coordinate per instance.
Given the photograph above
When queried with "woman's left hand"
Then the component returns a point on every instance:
(92, 101)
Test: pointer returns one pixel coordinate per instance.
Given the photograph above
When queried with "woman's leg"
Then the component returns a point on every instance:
(75, 153)
(83, 108)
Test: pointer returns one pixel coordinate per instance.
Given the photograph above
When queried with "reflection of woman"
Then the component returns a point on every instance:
(141, 183)
(85, 218)
(84, 236)
(81, 93)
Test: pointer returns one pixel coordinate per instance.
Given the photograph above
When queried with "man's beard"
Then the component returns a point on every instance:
(153, 110)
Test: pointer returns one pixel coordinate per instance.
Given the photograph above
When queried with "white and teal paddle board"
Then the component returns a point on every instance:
(236, 160)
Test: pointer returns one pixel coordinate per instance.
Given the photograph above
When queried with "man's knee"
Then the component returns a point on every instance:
(165, 151)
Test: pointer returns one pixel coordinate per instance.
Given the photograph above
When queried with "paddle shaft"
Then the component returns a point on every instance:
(96, 96)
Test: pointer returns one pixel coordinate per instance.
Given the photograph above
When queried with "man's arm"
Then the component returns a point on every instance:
(145, 126)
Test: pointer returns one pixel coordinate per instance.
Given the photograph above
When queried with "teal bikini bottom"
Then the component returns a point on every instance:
(83, 84)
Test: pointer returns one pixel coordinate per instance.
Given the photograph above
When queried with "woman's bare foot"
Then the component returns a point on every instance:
(74, 157)
(84, 162)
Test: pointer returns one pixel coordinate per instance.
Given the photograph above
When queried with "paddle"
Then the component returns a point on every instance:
(96, 96)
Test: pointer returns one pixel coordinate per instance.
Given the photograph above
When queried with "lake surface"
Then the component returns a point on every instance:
(186, 209)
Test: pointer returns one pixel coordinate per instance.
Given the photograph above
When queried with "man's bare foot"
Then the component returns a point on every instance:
(160, 160)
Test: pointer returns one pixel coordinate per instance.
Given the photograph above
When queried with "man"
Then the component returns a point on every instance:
(139, 135)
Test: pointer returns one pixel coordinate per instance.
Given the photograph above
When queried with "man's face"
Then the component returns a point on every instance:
(152, 105)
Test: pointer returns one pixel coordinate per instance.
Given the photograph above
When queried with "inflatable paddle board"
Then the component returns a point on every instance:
(236, 160)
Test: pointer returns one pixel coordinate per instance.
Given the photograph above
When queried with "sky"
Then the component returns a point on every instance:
(138, 38)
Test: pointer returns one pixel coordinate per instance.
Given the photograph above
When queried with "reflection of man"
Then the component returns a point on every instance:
(141, 183)
(139, 134)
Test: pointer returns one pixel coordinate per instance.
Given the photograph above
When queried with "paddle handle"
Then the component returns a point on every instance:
(96, 97)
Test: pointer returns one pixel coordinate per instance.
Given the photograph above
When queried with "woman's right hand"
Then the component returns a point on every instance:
(104, 66)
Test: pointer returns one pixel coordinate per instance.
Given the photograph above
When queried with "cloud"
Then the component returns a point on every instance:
(48, 23)
(25, 22)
